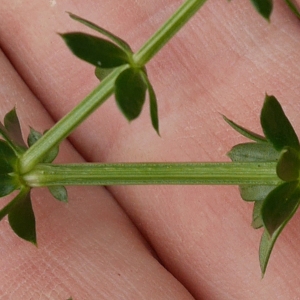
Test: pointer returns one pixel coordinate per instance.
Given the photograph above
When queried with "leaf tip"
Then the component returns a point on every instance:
(61, 35)
(72, 16)
(34, 243)
(264, 8)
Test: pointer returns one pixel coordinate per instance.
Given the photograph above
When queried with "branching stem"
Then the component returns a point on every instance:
(66, 125)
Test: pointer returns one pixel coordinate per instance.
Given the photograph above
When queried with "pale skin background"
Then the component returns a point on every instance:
(154, 242)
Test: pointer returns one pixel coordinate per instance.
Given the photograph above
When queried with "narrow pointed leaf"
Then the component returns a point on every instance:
(265, 248)
(7, 185)
(33, 137)
(51, 155)
(94, 50)
(101, 73)
(294, 7)
(118, 41)
(288, 165)
(276, 126)
(267, 243)
(153, 103)
(11, 132)
(5, 134)
(8, 160)
(264, 7)
(21, 219)
(245, 132)
(12, 125)
(6, 209)
(253, 152)
(257, 221)
(59, 193)
(153, 108)
(279, 205)
(130, 93)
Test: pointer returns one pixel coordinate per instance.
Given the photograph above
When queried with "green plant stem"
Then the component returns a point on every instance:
(227, 173)
(67, 124)
(162, 36)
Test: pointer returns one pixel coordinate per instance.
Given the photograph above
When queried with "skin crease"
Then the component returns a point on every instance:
(153, 242)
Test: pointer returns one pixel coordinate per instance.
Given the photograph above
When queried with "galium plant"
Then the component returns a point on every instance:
(266, 169)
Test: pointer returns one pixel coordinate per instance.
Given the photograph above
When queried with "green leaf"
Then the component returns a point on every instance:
(267, 243)
(6, 209)
(7, 185)
(118, 41)
(8, 160)
(12, 125)
(59, 193)
(253, 152)
(279, 205)
(11, 132)
(257, 221)
(276, 126)
(245, 132)
(265, 248)
(288, 165)
(293, 6)
(130, 93)
(21, 216)
(94, 50)
(153, 103)
(153, 108)
(255, 192)
(264, 7)
(21, 219)
(33, 137)
(102, 73)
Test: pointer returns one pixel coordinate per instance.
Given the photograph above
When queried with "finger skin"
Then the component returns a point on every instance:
(88, 248)
(223, 61)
